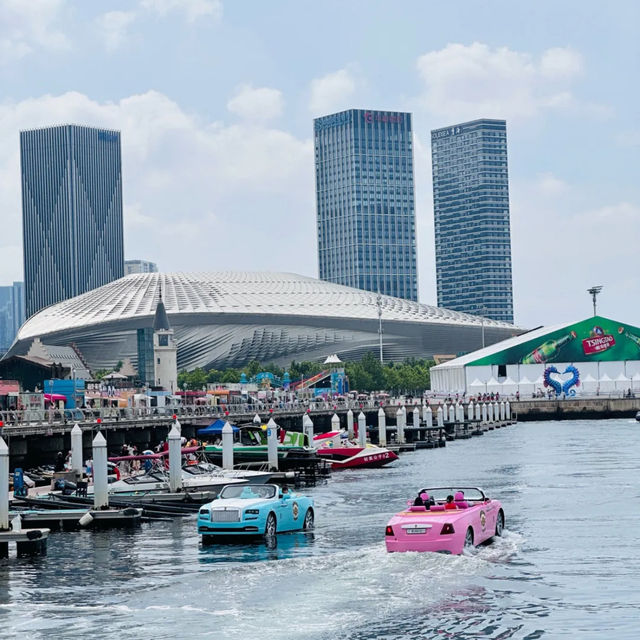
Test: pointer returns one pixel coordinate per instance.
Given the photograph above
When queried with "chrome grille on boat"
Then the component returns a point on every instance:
(228, 515)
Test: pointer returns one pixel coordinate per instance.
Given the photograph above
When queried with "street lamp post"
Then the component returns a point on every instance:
(379, 304)
(594, 291)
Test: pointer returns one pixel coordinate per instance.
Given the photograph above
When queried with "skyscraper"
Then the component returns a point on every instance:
(139, 266)
(71, 212)
(365, 201)
(471, 209)
(11, 313)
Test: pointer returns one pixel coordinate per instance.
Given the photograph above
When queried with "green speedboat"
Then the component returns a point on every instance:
(250, 446)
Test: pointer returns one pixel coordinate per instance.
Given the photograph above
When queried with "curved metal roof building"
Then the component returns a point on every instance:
(229, 318)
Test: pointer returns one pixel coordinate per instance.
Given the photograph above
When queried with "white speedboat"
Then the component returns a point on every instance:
(158, 482)
(203, 469)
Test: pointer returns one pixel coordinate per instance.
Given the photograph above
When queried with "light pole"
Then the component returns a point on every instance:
(483, 310)
(379, 304)
(594, 291)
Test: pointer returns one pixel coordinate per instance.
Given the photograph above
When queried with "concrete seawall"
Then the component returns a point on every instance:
(576, 408)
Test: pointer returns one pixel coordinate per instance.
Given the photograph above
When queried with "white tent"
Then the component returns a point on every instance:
(588, 384)
(622, 383)
(606, 384)
(509, 387)
(477, 386)
(525, 386)
(635, 381)
(538, 384)
(493, 386)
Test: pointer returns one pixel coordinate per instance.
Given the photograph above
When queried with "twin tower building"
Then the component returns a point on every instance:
(366, 209)
(366, 222)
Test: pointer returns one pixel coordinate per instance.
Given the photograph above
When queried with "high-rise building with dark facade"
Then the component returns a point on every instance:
(72, 212)
(471, 210)
(365, 201)
(11, 313)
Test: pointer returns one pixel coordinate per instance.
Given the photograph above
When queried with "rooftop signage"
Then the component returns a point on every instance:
(591, 340)
(333, 120)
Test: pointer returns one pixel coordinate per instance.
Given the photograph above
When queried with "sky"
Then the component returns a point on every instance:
(215, 100)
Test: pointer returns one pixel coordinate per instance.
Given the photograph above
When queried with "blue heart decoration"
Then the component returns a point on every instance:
(558, 386)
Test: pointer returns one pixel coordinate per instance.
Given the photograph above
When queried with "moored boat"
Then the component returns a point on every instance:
(343, 454)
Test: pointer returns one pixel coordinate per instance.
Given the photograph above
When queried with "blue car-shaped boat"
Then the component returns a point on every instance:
(254, 510)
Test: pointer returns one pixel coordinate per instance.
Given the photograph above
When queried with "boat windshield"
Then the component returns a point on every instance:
(202, 468)
(253, 492)
(145, 478)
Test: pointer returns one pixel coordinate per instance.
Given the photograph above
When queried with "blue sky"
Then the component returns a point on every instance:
(215, 102)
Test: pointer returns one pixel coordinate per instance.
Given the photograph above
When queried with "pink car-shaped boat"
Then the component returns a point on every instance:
(453, 518)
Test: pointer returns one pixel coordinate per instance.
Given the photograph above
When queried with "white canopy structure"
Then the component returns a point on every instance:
(477, 386)
(493, 386)
(589, 384)
(622, 383)
(509, 387)
(606, 384)
(525, 386)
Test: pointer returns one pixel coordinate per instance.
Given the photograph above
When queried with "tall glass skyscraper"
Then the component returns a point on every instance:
(365, 201)
(471, 209)
(71, 212)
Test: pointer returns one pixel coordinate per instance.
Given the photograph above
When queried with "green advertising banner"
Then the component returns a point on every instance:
(592, 340)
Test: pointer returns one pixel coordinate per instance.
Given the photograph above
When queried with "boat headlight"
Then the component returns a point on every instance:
(253, 512)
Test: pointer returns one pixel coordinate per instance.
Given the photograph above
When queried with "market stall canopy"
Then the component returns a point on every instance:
(215, 429)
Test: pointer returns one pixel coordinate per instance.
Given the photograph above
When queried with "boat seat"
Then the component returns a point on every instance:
(417, 507)
(437, 507)
(81, 489)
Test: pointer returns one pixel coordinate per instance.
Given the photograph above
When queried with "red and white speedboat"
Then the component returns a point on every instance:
(335, 446)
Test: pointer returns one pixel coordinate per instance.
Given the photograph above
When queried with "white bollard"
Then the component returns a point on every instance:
(485, 412)
(4, 485)
(175, 460)
(428, 417)
(227, 446)
(272, 444)
(440, 417)
(452, 413)
(76, 450)
(382, 428)
(178, 426)
(490, 412)
(507, 410)
(350, 424)
(478, 411)
(502, 414)
(362, 429)
(460, 412)
(307, 427)
(424, 412)
(400, 418)
(100, 482)
(470, 410)
(416, 418)
(496, 411)
(335, 422)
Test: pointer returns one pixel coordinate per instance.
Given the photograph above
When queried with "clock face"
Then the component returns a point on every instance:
(163, 340)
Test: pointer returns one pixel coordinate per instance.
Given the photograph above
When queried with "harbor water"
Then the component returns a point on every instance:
(567, 566)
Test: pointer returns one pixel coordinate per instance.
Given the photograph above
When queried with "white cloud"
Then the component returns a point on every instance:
(114, 26)
(192, 9)
(332, 92)
(260, 105)
(26, 26)
(197, 195)
(562, 244)
(472, 81)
